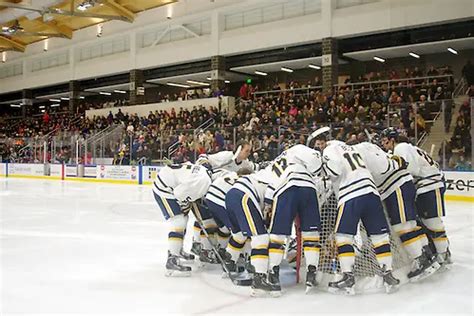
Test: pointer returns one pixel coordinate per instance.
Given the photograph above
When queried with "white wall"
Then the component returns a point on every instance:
(227, 103)
(343, 22)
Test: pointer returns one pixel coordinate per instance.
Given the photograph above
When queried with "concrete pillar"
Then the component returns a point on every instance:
(218, 73)
(27, 96)
(329, 63)
(137, 90)
(74, 94)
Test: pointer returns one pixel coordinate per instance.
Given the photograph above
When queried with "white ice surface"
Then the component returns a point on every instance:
(89, 248)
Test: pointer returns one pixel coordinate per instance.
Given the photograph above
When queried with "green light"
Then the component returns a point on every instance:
(249, 81)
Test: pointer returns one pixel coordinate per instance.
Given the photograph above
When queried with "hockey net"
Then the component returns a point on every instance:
(366, 268)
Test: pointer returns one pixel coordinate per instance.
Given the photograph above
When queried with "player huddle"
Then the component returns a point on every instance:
(247, 205)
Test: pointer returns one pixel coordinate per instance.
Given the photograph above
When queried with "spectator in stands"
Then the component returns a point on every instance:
(462, 164)
(432, 72)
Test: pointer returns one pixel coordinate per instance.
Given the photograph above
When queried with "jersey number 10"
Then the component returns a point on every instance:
(355, 161)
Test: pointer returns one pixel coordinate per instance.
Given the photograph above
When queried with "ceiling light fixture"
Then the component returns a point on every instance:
(105, 93)
(227, 81)
(15, 105)
(412, 54)
(286, 69)
(197, 82)
(55, 105)
(120, 91)
(452, 50)
(208, 78)
(55, 100)
(314, 66)
(379, 59)
(174, 84)
(65, 99)
(86, 5)
(261, 73)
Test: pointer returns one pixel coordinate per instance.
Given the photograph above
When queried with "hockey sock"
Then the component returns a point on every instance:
(382, 250)
(223, 235)
(276, 249)
(412, 237)
(259, 255)
(196, 232)
(311, 248)
(210, 227)
(236, 245)
(176, 234)
(437, 233)
(345, 252)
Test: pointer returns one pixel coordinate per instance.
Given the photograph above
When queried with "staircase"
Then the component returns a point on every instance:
(433, 141)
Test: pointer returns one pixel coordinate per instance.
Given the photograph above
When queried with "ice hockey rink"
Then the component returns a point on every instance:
(89, 248)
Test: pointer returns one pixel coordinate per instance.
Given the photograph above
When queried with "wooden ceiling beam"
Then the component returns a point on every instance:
(119, 9)
(9, 43)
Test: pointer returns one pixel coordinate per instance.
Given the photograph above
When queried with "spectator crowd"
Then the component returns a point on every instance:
(270, 121)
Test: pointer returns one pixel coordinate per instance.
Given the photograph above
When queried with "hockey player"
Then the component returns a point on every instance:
(225, 160)
(246, 201)
(358, 199)
(397, 191)
(230, 249)
(295, 195)
(231, 161)
(430, 188)
(175, 188)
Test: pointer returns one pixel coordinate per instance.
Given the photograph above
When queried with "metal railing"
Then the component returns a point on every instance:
(200, 129)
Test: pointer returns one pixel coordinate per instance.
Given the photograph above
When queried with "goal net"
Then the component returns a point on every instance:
(366, 268)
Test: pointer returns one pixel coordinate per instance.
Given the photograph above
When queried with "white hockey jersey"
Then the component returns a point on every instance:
(422, 167)
(296, 166)
(225, 160)
(386, 172)
(256, 186)
(348, 173)
(220, 186)
(184, 182)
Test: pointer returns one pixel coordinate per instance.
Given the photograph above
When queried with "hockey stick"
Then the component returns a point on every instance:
(240, 282)
(298, 248)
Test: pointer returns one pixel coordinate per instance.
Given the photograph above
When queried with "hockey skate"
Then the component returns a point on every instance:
(196, 248)
(174, 268)
(390, 282)
(345, 286)
(186, 256)
(274, 279)
(444, 260)
(207, 256)
(260, 285)
(311, 278)
(423, 266)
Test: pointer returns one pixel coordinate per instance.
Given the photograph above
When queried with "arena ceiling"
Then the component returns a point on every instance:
(26, 22)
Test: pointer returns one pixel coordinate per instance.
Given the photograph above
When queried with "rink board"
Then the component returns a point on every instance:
(459, 184)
